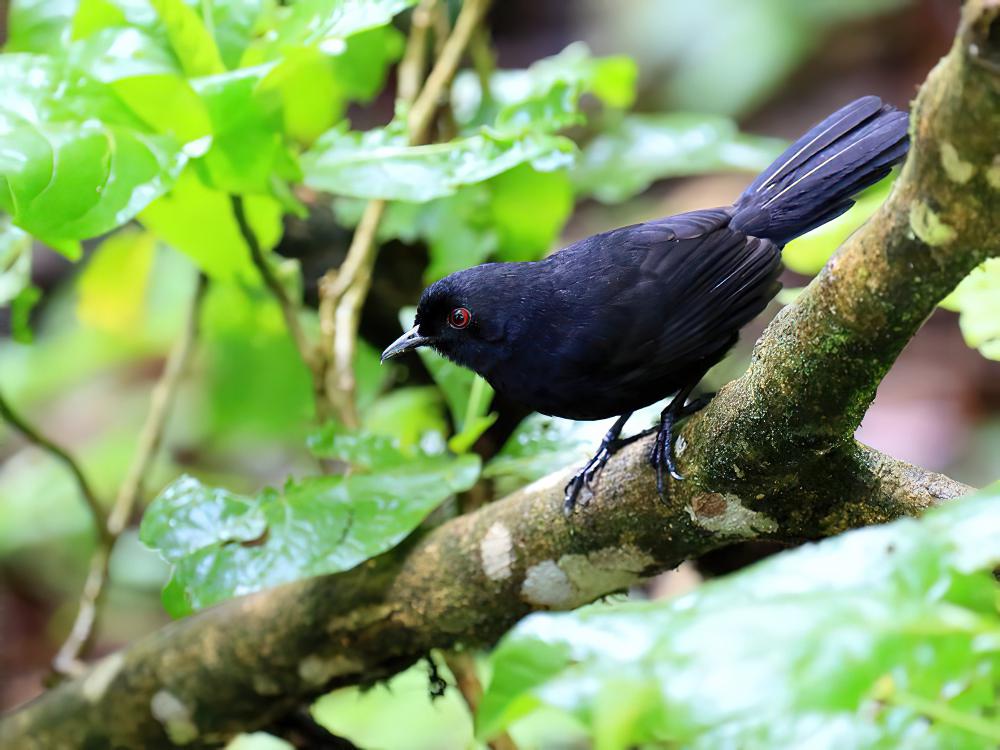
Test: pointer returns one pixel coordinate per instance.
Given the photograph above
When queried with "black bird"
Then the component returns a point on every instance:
(622, 319)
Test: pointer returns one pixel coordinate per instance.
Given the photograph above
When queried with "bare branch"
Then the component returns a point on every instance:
(67, 660)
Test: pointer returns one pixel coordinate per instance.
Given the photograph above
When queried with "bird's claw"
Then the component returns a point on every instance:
(662, 459)
(584, 479)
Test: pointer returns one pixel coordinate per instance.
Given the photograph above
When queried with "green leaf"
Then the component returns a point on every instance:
(879, 629)
(977, 299)
(810, 252)
(540, 445)
(315, 87)
(189, 39)
(15, 261)
(379, 164)
(412, 416)
(363, 451)
(146, 77)
(20, 313)
(248, 150)
(327, 23)
(545, 96)
(199, 221)
(528, 210)
(223, 545)
(74, 163)
(627, 158)
(38, 25)
(113, 285)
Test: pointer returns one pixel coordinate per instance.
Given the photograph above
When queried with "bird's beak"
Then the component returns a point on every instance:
(409, 340)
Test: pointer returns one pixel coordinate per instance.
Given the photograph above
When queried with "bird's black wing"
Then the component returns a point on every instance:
(663, 296)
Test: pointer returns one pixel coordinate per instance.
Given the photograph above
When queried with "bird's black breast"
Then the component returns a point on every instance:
(631, 315)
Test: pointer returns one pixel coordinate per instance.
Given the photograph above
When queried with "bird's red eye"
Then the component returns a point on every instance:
(459, 318)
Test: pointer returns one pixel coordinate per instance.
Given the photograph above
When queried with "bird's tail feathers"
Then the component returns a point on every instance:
(813, 181)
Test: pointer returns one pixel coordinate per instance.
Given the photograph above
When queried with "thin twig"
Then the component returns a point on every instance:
(67, 660)
(463, 667)
(422, 112)
(288, 308)
(411, 69)
(32, 435)
(343, 292)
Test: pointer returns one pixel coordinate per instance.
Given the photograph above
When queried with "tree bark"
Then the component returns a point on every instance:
(772, 457)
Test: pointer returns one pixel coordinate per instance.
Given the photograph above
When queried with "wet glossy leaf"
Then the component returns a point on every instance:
(379, 164)
(539, 446)
(545, 96)
(223, 545)
(74, 162)
(327, 23)
(624, 160)
(977, 298)
(363, 451)
(856, 641)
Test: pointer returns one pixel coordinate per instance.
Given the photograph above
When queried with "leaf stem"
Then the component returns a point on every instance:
(289, 309)
(67, 660)
(33, 436)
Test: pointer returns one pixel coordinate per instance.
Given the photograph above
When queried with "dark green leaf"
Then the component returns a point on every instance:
(379, 164)
(641, 149)
(879, 631)
(223, 545)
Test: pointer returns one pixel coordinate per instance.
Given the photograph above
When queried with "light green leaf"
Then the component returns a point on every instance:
(327, 23)
(977, 298)
(15, 261)
(223, 545)
(258, 741)
(879, 629)
(545, 96)
(199, 222)
(248, 150)
(626, 159)
(379, 164)
(113, 285)
(146, 77)
(38, 25)
(413, 416)
(529, 209)
(189, 39)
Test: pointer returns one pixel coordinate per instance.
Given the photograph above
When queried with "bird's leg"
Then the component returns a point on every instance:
(662, 456)
(585, 477)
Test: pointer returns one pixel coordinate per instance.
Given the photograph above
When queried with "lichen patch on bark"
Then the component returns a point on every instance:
(954, 166)
(546, 585)
(175, 717)
(726, 516)
(496, 551)
(928, 226)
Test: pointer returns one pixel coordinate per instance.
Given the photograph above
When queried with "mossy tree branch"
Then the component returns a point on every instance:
(772, 458)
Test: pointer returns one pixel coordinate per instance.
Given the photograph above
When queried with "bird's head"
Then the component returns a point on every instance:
(466, 316)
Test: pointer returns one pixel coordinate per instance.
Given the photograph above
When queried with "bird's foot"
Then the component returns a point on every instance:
(585, 479)
(662, 456)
